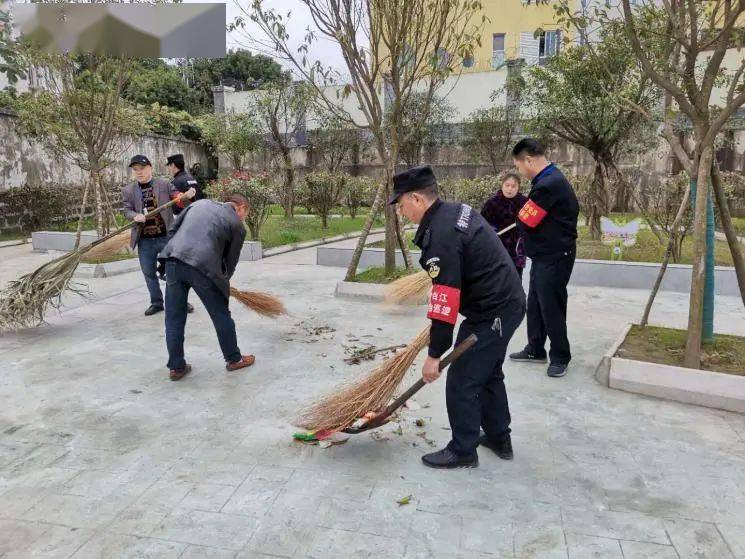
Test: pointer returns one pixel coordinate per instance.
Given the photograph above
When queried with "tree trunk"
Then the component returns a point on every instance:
(668, 251)
(597, 200)
(403, 244)
(357, 254)
(82, 214)
(692, 357)
(289, 187)
(391, 223)
(729, 229)
(99, 203)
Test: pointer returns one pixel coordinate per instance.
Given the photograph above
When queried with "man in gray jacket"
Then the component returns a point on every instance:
(204, 245)
(140, 197)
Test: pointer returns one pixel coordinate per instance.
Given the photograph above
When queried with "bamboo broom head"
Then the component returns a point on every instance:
(261, 303)
(111, 247)
(24, 301)
(408, 289)
(342, 407)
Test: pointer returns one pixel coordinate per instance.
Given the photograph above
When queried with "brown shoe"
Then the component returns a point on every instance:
(246, 361)
(178, 374)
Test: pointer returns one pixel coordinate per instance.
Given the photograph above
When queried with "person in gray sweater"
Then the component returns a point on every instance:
(202, 252)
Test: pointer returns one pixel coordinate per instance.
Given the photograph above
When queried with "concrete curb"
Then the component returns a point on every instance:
(357, 290)
(282, 249)
(108, 269)
(602, 372)
(587, 273)
(15, 243)
(689, 386)
(60, 240)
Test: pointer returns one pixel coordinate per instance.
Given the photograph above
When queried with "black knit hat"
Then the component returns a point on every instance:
(412, 180)
(177, 159)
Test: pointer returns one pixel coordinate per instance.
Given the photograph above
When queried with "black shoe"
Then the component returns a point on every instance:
(503, 448)
(526, 356)
(153, 309)
(189, 308)
(557, 370)
(447, 459)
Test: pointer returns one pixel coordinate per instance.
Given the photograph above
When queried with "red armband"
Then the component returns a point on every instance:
(531, 214)
(179, 200)
(444, 303)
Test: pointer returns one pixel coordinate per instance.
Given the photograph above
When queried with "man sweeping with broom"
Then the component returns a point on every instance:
(472, 274)
(203, 249)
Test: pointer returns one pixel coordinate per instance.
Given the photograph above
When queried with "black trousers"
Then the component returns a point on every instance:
(475, 392)
(547, 307)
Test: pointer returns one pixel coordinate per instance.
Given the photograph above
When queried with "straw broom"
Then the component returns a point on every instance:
(261, 303)
(415, 287)
(341, 408)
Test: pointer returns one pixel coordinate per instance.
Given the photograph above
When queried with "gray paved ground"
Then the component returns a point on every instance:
(102, 456)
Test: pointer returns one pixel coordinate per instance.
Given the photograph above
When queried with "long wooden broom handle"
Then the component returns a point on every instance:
(459, 350)
(131, 224)
(512, 226)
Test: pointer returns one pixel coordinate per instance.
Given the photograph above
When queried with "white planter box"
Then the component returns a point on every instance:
(680, 384)
(58, 240)
(108, 269)
(251, 251)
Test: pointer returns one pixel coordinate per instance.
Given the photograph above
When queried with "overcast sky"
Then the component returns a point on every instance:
(300, 20)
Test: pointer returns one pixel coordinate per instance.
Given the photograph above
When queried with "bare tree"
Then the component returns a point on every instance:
(401, 47)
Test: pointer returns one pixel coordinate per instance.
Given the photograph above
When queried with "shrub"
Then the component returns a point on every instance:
(321, 191)
(37, 207)
(258, 189)
(473, 192)
(359, 192)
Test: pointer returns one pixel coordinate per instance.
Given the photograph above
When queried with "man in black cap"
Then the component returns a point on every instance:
(548, 222)
(472, 274)
(182, 179)
(139, 198)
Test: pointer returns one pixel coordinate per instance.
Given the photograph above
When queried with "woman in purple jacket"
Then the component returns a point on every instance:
(501, 211)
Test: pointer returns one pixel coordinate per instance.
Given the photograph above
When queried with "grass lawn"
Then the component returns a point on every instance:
(377, 275)
(281, 231)
(667, 346)
(13, 236)
(109, 258)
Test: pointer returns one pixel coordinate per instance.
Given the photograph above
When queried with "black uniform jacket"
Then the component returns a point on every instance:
(183, 181)
(472, 273)
(548, 221)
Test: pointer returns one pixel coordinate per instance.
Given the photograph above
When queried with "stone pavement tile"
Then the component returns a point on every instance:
(17, 534)
(199, 471)
(14, 502)
(270, 473)
(539, 542)
(340, 544)
(278, 536)
(253, 498)
(734, 535)
(199, 552)
(433, 535)
(41, 457)
(98, 484)
(76, 511)
(51, 478)
(13, 450)
(486, 533)
(207, 497)
(615, 525)
(57, 542)
(640, 550)
(117, 546)
(327, 482)
(591, 547)
(93, 459)
(211, 529)
(164, 495)
(701, 540)
(137, 520)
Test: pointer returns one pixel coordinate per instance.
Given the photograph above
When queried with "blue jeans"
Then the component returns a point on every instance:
(180, 277)
(474, 389)
(147, 251)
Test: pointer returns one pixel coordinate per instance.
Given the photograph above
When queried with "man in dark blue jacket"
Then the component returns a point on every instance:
(548, 222)
(472, 275)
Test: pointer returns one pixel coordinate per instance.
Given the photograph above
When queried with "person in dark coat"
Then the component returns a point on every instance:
(501, 211)
(182, 179)
(203, 250)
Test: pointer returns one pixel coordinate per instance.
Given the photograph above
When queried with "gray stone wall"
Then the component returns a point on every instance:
(23, 161)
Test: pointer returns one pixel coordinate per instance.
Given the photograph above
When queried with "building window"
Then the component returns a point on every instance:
(548, 46)
(468, 61)
(497, 57)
